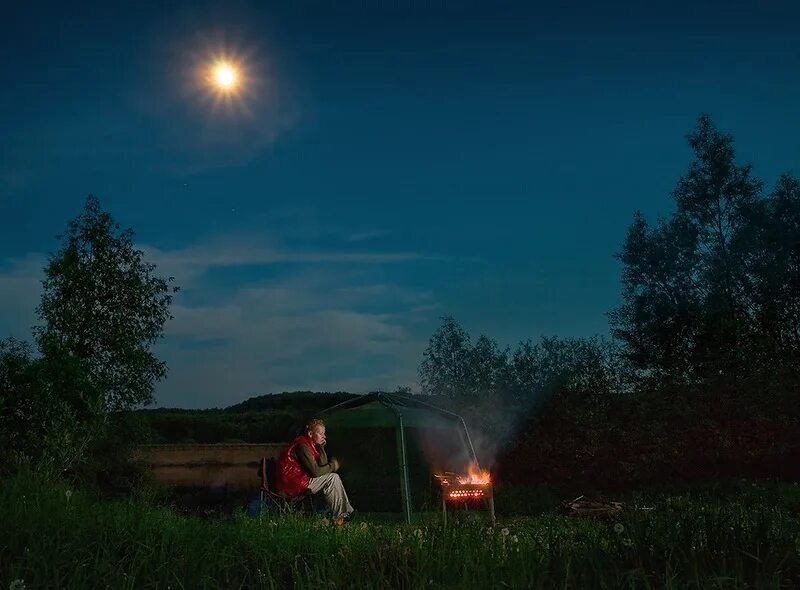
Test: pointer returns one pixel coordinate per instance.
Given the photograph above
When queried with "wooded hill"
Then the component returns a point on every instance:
(262, 419)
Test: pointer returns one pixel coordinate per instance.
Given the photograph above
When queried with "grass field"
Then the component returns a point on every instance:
(54, 537)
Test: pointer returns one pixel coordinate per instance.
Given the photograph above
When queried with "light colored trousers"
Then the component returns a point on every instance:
(331, 487)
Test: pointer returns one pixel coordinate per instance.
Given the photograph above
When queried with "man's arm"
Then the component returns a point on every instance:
(313, 468)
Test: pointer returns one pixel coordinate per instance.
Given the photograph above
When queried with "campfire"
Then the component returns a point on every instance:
(472, 485)
(466, 488)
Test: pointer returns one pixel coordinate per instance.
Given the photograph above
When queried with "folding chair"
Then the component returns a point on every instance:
(278, 501)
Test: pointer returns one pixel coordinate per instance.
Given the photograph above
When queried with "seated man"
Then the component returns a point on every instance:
(304, 465)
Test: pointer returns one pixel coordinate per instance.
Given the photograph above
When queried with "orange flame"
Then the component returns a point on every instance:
(475, 475)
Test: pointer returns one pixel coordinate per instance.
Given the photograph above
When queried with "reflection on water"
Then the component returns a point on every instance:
(234, 467)
(243, 477)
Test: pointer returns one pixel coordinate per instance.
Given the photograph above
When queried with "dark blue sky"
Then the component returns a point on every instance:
(389, 163)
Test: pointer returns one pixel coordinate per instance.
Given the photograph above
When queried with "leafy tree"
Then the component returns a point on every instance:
(102, 304)
(46, 414)
(535, 371)
(685, 313)
(445, 369)
(487, 366)
(773, 288)
(18, 402)
(102, 309)
(455, 368)
(657, 320)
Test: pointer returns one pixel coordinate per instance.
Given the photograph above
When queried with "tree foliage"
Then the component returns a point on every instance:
(445, 369)
(102, 309)
(709, 295)
(585, 365)
(455, 368)
(103, 304)
(48, 416)
(773, 288)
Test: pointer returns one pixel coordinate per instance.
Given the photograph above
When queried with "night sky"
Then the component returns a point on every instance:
(387, 163)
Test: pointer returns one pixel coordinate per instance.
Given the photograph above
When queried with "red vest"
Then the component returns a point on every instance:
(292, 478)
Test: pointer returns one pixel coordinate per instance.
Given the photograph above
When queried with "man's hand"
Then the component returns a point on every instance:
(334, 464)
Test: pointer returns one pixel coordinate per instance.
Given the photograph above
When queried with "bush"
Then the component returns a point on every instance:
(46, 414)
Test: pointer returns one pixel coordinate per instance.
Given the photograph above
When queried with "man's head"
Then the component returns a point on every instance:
(316, 431)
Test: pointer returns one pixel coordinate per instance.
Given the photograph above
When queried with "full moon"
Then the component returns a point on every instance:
(227, 80)
(225, 76)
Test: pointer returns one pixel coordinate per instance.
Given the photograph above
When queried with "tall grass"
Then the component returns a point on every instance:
(51, 536)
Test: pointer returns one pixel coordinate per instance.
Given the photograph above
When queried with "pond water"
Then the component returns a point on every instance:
(228, 466)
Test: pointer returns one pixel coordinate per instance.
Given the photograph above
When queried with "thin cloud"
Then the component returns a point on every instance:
(368, 235)
(325, 324)
(319, 329)
(189, 263)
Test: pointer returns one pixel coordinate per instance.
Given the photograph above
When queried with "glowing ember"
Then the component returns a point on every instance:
(466, 494)
(475, 475)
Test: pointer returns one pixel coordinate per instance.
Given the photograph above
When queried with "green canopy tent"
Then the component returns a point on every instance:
(390, 446)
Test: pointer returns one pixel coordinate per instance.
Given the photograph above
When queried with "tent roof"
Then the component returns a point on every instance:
(380, 409)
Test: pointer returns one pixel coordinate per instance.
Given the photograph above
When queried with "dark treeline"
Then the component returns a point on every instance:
(262, 419)
(569, 411)
(303, 401)
(219, 426)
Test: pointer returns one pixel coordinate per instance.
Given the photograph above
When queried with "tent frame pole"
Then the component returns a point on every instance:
(405, 488)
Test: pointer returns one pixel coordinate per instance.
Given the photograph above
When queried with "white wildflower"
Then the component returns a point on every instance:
(325, 522)
(618, 528)
(504, 531)
(17, 585)
(418, 533)
(68, 494)
(363, 525)
(514, 539)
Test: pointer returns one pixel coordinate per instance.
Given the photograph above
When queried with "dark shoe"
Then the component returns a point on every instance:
(343, 519)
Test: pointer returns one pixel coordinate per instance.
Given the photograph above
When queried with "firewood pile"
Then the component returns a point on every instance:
(582, 506)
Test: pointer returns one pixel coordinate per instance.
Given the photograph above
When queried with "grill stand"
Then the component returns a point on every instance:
(488, 499)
